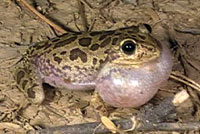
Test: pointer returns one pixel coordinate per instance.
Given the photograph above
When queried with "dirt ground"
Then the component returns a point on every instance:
(19, 28)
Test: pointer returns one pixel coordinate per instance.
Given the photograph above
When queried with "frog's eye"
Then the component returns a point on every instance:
(128, 47)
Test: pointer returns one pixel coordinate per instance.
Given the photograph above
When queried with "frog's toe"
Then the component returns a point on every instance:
(29, 82)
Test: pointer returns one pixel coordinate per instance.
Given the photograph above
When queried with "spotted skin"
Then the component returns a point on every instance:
(73, 60)
(27, 80)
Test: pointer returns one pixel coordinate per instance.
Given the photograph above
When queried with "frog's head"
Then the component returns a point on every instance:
(135, 46)
(137, 66)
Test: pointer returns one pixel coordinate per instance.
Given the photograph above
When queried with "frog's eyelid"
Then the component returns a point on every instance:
(129, 39)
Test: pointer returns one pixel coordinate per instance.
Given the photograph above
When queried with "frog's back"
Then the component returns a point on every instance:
(71, 58)
(77, 58)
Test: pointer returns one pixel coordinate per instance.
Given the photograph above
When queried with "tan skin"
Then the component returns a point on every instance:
(80, 61)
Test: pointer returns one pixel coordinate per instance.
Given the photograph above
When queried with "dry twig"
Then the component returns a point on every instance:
(42, 17)
(192, 31)
(83, 16)
(88, 128)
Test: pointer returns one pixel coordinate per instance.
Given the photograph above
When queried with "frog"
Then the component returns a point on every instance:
(126, 66)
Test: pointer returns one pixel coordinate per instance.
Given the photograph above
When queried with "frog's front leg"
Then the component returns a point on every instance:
(29, 82)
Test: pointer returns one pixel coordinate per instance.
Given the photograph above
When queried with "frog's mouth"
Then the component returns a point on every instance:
(135, 62)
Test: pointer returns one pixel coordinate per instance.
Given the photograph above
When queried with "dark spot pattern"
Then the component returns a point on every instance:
(105, 42)
(47, 45)
(105, 34)
(114, 41)
(107, 51)
(85, 42)
(134, 37)
(94, 61)
(95, 33)
(118, 33)
(58, 70)
(62, 43)
(20, 75)
(77, 53)
(57, 59)
(101, 61)
(24, 83)
(54, 40)
(54, 54)
(102, 37)
(39, 46)
(63, 52)
(94, 47)
(64, 35)
(142, 37)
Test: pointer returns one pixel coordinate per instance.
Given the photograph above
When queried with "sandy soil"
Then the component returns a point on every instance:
(18, 29)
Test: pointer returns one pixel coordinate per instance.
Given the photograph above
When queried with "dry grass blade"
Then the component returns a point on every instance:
(109, 124)
(82, 14)
(181, 78)
(135, 124)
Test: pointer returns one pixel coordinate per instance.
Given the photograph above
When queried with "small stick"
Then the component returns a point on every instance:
(58, 28)
(76, 23)
(88, 128)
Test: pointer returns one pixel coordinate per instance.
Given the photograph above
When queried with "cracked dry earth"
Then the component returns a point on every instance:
(19, 29)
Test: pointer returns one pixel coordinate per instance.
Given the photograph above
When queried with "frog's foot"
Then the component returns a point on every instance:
(99, 106)
(30, 85)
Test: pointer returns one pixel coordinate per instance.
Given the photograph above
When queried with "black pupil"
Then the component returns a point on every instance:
(128, 47)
